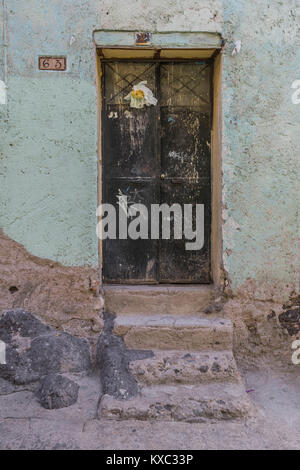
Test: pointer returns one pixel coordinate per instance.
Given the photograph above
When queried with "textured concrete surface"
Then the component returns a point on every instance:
(181, 367)
(25, 425)
(189, 403)
(141, 382)
(187, 333)
(161, 299)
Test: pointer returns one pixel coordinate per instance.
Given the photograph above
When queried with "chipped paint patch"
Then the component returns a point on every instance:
(178, 156)
(128, 114)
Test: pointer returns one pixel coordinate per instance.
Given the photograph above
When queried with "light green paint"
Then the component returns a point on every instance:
(167, 39)
(261, 171)
(48, 152)
(49, 187)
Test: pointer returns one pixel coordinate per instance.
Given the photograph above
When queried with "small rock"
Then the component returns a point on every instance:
(218, 307)
(215, 367)
(290, 320)
(208, 309)
(57, 391)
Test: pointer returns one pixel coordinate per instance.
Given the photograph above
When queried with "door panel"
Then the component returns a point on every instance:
(185, 141)
(185, 163)
(119, 78)
(155, 155)
(130, 260)
(129, 144)
(185, 84)
(176, 264)
(130, 168)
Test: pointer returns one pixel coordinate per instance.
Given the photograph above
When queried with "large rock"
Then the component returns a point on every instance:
(56, 391)
(114, 359)
(34, 350)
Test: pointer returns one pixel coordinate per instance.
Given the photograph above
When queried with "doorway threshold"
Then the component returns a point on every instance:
(169, 299)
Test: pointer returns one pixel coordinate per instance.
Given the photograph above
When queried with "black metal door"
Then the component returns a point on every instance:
(155, 155)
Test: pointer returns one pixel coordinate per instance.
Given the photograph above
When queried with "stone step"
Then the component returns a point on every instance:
(167, 332)
(189, 403)
(161, 299)
(181, 367)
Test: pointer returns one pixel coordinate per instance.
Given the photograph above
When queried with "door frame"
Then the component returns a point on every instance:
(135, 54)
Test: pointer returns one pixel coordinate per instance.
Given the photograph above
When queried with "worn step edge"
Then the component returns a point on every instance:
(187, 403)
(181, 367)
(172, 332)
(173, 300)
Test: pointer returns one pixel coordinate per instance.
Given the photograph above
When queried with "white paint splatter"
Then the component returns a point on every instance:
(178, 156)
(122, 202)
(296, 94)
(72, 40)
(2, 352)
(127, 114)
(113, 115)
(149, 267)
(2, 92)
(237, 47)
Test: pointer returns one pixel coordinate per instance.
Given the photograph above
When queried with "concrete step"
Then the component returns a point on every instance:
(180, 367)
(168, 332)
(189, 403)
(161, 299)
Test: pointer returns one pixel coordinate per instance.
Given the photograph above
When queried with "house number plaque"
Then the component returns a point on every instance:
(52, 63)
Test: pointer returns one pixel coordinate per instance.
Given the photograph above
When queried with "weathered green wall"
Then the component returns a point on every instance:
(49, 126)
(49, 152)
(261, 174)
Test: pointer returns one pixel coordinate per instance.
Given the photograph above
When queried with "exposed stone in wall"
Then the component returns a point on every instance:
(64, 297)
(290, 319)
(264, 326)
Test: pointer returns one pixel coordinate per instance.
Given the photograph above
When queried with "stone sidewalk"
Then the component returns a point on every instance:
(24, 424)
